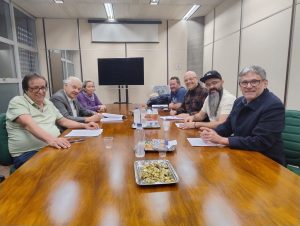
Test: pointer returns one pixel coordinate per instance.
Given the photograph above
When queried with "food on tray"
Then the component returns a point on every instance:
(156, 172)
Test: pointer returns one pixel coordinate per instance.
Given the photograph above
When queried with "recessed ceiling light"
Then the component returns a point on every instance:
(154, 2)
(109, 11)
(191, 12)
(59, 1)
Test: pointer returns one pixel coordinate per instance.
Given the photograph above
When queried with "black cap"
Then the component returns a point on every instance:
(209, 75)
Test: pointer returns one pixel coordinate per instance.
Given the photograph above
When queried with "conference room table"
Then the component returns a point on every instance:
(90, 185)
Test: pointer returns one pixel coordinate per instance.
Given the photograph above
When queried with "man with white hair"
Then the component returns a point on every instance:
(65, 101)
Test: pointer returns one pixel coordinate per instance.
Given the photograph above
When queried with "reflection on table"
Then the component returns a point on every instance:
(90, 185)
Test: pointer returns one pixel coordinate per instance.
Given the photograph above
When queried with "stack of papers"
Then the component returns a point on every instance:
(84, 133)
(198, 142)
(160, 106)
(112, 117)
(179, 124)
(171, 117)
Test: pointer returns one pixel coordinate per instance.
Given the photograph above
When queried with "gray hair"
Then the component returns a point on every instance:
(84, 84)
(253, 69)
(70, 79)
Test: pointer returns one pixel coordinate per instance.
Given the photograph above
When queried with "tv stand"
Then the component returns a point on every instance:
(120, 95)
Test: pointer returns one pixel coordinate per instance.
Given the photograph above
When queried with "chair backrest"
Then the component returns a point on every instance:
(5, 157)
(291, 137)
(161, 89)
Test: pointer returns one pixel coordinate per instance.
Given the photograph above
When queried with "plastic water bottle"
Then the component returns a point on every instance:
(139, 141)
(143, 117)
(136, 116)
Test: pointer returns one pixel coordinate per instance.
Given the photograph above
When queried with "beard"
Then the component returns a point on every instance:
(214, 99)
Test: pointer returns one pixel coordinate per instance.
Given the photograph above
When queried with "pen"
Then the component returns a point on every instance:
(77, 140)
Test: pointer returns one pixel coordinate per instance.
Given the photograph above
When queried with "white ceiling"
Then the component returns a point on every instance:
(123, 9)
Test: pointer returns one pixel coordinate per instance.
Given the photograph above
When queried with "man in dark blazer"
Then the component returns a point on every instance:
(65, 101)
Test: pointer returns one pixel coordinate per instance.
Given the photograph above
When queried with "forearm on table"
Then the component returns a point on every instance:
(70, 124)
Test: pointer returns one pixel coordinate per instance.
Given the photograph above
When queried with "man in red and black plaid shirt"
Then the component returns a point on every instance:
(193, 99)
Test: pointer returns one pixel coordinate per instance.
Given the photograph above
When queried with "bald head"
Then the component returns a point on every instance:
(190, 80)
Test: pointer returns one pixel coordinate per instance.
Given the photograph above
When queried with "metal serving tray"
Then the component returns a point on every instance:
(149, 125)
(158, 145)
(141, 164)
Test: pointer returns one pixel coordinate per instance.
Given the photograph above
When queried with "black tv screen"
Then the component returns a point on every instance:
(121, 71)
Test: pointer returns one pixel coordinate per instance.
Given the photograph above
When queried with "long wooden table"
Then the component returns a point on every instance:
(90, 185)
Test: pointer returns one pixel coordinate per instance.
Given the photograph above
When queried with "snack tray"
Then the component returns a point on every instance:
(149, 125)
(158, 145)
(140, 163)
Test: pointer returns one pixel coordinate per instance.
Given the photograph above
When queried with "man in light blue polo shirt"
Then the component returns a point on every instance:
(30, 121)
(177, 93)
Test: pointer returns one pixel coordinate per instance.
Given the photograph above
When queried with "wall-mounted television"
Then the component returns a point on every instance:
(121, 71)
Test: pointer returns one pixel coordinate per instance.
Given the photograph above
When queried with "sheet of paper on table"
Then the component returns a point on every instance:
(198, 142)
(170, 117)
(179, 124)
(84, 133)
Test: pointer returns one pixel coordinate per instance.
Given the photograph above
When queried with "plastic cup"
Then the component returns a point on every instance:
(108, 142)
(166, 125)
(162, 154)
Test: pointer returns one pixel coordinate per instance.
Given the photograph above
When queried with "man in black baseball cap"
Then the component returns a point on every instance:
(209, 75)
(217, 105)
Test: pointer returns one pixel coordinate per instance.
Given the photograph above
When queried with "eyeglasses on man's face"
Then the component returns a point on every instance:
(37, 89)
(253, 83)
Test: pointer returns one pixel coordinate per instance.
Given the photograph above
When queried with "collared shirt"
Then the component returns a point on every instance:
(256, 126)
(89, 102)
(71, 102)
(178, 95)
(19, 139)
(193, 100)
(224, 108)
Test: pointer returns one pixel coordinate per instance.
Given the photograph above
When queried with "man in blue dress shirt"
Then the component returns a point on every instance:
(256, 120)
(177, 93)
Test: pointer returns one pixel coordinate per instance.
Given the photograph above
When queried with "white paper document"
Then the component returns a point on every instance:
(159, 106)
(84, 133)
(170, 117)
(111, 120)
(179, 124)
(116, 116)
(198, 142)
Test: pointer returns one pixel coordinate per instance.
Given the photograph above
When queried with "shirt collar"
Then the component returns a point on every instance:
(32, 102)
(256, 102)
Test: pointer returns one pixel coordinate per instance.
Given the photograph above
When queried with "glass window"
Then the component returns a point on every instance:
(7, 62)
(7, 91)
(25, 28)
(70, 68)
(5, 23)
(28, 61)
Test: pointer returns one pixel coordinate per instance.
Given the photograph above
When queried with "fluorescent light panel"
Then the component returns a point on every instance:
(59, 1)
(191, 12)
(109, 11)
(154, 2)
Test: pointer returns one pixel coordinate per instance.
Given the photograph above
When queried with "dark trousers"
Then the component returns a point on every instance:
(21, 159)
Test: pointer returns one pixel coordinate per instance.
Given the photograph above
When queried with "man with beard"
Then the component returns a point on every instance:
(177, 93)
(217, 104)
(256, 120)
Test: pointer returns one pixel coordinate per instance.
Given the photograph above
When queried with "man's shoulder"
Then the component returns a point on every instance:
(58, 95)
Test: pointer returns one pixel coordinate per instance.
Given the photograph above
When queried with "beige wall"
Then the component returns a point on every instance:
(259, 35)
(62, 34)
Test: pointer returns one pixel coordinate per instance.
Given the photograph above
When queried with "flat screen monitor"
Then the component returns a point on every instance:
(121, 71)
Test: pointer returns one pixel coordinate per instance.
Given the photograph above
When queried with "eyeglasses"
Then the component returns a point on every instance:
(37, 89)
(253, 83)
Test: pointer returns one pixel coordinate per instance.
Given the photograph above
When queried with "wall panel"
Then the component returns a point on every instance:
(226, 52)
(294, 77)
(268, 49)
(255, 10)
(207, 58)
(209, 28)
(227, 18)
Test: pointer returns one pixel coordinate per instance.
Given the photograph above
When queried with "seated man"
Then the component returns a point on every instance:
(30, 121)
(88, 99)
(177, 93)
(193, 99)
(65, 101)
(217, 104)
(256, 120)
